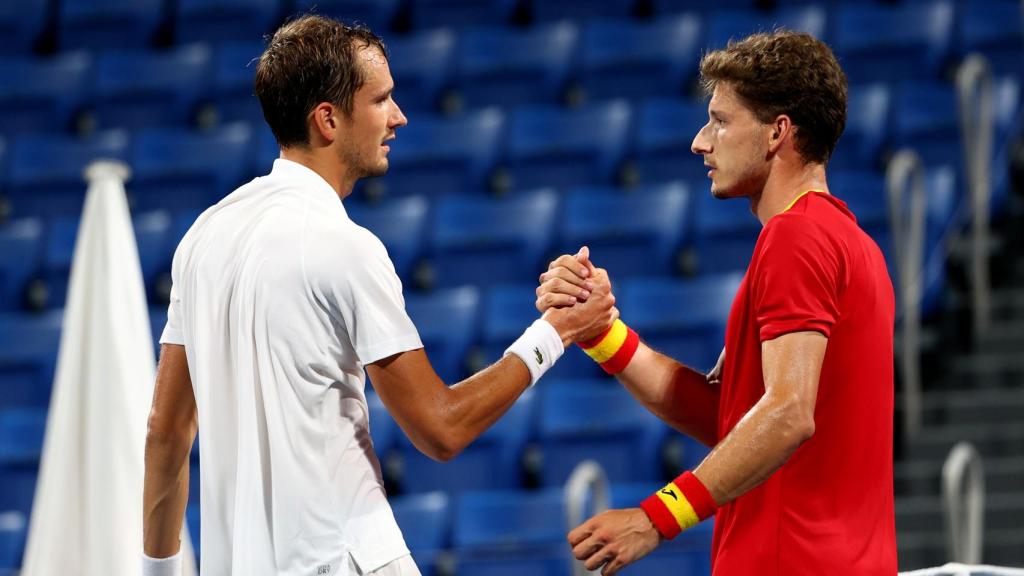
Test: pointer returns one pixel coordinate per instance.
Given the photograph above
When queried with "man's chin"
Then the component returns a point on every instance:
(378, 170)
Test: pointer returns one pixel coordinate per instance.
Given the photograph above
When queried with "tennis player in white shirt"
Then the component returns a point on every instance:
(279, 303)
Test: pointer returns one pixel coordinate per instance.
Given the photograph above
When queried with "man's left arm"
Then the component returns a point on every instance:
(756, 447)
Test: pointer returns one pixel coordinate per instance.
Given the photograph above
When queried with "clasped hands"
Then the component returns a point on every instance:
(576, 297)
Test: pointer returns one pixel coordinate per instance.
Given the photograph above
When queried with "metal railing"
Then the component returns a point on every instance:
(587, 478)
(977, 126)
(965, 513)
(907, 217)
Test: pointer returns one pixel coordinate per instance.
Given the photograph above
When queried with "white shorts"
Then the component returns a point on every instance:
(403, 566)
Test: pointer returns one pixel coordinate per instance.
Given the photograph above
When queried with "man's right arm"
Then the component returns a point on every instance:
(440, 420)
(684, 398)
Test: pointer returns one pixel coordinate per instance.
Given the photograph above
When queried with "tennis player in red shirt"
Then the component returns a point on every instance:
(799, 410)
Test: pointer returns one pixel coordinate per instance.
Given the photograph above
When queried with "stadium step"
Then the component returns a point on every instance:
(1002, 476)
(928, 548)
(924, 513)
(990, 439)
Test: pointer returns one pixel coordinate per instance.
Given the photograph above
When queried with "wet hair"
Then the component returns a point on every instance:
(785, 72)
(310, 60)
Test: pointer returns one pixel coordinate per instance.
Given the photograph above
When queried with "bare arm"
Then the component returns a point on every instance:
(755, 448)
(441, 421)
(777, 425)
(172, 429)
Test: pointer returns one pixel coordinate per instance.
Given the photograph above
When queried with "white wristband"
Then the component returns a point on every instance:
(539, 347)
(170, 566)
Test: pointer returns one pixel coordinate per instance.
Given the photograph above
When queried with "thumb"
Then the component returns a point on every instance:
(583, 257)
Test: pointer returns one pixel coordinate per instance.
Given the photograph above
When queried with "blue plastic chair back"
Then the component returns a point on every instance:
(400, 224)
(143, 89)
(550, 146)
(508, 67)
(867, 124)
(665, 129)
(234, 75)
(725, 232)
(448, 321)
(631, 59)
(20, 246)
(102, 24)
(43, 95)
(634, 234)
(437, 156)
(220, 20)
(724, 26)
(428, 14)
(421, 66)
(487, 241)
(21, 23)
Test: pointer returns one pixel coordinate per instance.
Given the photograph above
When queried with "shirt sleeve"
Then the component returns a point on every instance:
(172, 330)
(798, 280)
(372, 306)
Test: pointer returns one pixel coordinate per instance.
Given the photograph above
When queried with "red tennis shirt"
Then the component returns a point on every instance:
(829, 508)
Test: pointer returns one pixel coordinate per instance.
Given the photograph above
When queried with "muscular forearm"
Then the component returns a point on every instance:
(675, 393)
(759, 444)
(165, 492)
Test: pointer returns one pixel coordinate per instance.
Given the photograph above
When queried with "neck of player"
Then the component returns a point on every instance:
(785, 183)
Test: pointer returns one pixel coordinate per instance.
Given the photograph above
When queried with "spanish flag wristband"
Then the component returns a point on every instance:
(614, 348)
(681, 504)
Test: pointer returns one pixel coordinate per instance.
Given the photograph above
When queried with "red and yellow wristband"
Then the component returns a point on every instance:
(614, 348)
(681, 504)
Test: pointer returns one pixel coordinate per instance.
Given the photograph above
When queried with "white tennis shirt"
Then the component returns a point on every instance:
(280, 300)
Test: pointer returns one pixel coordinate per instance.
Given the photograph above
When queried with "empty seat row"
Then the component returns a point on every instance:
(533, 146)
(482, 66)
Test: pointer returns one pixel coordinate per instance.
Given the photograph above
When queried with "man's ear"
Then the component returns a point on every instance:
(782, 129)
(325, 121)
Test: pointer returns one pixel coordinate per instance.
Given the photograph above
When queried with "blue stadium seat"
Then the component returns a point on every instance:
(724, 26)
(867, 123)
(864, 193)
(13, 533)
(157, 322)
(234, 75)
(21, 23)
(487, 241)
(375, 14)
(28, 357)
(384, 431)
(58, 253)
(665, 129)
(448, 322)
(425, 520)
(684, 319)
(20, 242)
(630, 234)
(176, 169)
(101, 24)
(508, 67)
(550, 146)
(597, 420)
(926, 119)
(914, 39)
(421, 65)
(546, 11)
(151, 231)
(192, 519)
(140, 89)
(21, 434)
(492, 461)
(21, 442)
(220, 20)
(46, 95)
(725, 231)
(508, 310)
(994, 28)
(632, 59)
(400, 224)
(45, 175)
(428, 14)
(700, 6)
(506, 533)
(436, 156)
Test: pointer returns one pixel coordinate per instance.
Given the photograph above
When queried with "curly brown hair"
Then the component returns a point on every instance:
(785, 72)
(309, 60)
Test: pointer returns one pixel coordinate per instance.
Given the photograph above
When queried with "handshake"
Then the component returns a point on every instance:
(576, 298)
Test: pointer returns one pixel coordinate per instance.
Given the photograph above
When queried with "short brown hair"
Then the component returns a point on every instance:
(308, 61)
(785, 72)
